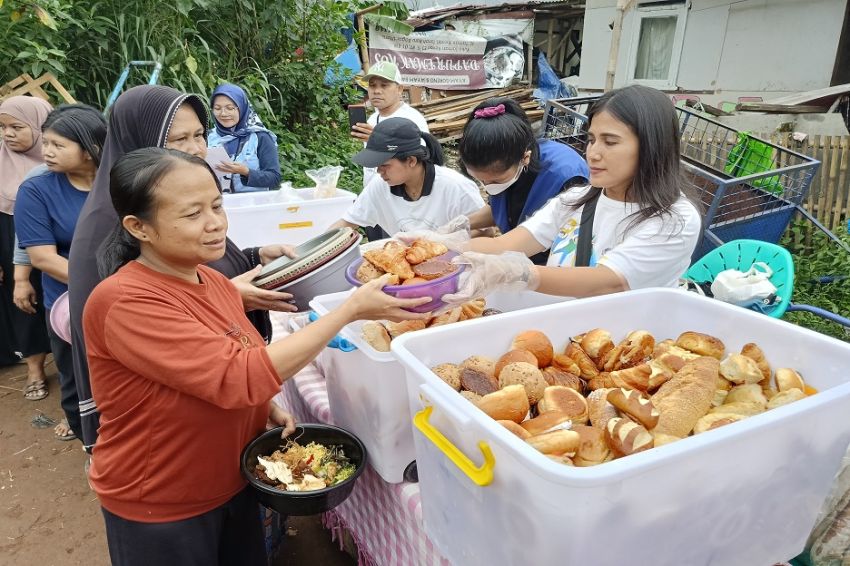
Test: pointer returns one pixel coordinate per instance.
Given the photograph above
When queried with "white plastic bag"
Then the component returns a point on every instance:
(744, 288)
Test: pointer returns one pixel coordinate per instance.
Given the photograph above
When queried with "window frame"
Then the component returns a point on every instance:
(651, 10)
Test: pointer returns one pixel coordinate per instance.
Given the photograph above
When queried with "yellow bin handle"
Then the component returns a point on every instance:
(482, 475)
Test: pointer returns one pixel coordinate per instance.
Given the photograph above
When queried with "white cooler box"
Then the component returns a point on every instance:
(260, 218)
(367, 391)
(745, 494)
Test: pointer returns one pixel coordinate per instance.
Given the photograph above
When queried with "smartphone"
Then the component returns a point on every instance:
(356, 114)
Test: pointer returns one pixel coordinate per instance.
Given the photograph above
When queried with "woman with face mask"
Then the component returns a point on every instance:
(412, 190)
(519, 172)
(152, 116)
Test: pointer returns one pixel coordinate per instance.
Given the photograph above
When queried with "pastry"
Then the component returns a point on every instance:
(514, 356)
(450, 373)
(515, 428)
(547, 422)
(599, 410)
(390, 261)
(561, 459)
(527, 375)
(586, 366)
(601, 381)
(376, 336)
(715, 420)
(755, 353)
(472, 309)
(367, 272)
(423, 250)
(396, 329)
(508, 404)
(633, 350)
(686, 397)
(635, 406)
(740, 369)
(593, 448)
(432, 269)
(555, 376)
(491, 312)
(626, 437)
(636, 377)
(670, 347)
(739, 408)
(747, 393)
(596, 343)
(785, 397)
(560, 399)
(477, 381)
(449, 317)
(480, 363)
(414, 281)
(566, 363)
(719, 397)
(470, 396)
(660, 438)
(537, 343)
(562, 442)
(701, 344)
(787, 378)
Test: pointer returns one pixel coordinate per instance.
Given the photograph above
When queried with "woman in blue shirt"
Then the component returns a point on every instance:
(46, 213)
(254, 164)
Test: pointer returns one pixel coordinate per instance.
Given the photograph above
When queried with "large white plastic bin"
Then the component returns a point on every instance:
(745, 494)
(260, 218)
(367, 390)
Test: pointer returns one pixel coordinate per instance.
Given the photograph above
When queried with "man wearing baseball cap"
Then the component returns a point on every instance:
(412, 190)
(384, 90)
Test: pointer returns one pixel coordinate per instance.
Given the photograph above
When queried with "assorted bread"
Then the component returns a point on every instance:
(408, 265)
(598, 399)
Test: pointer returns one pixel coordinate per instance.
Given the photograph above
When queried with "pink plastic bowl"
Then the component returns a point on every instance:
(434, 289)
(60, 317)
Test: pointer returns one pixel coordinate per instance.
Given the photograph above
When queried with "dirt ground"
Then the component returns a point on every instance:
(48, 514)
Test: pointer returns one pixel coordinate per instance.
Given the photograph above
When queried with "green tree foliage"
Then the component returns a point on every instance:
(278, 51)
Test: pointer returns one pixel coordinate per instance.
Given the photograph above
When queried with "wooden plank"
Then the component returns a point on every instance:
(61, 90)
(831, 188)
(842, 192)
(551, 38)
(779, 108)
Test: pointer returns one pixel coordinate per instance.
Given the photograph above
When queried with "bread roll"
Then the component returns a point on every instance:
(450, 373)
(470, 396)
(396, 329)
(626, 437)
(480, 363)
(740, 369)
(747, 393)
(636, 377)
(597, 343)
(723, 383)
(701, 344)
(508, 404)
(635, 349)
(546, 422)
(599, 410)
(742, 409)
(477, 381)
(527, 375)
(715, 420)
(669, 347)
(514, 356)
(634, 405)
(561, 459)
(367, 272)
(566, 363)
(593, 448)
(686, 397)
(719, 397)
(376, 336)
(587, 369)
(537, 343)
(660, 438)
(601, 381)
(414, 281)
(564, 400)
(787, 378)
(785, 397)
(472, 309)
(562, 442)
(555, 376)
(449, 317)
(516, 429)
(755, 353)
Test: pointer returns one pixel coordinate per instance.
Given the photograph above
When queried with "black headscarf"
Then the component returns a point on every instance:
(141, 117)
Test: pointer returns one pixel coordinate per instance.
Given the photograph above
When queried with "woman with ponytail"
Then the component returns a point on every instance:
(412, 190)
(182, 378)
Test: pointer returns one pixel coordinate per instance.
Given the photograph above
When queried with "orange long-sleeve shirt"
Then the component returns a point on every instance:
(183, 382)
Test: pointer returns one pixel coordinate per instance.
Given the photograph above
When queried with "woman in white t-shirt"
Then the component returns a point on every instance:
(644, 229)
(412, 190)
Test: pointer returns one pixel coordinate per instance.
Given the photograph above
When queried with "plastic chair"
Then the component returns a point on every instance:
(740, 255)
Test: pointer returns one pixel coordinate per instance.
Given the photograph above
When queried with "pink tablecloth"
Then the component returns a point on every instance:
(384, 519)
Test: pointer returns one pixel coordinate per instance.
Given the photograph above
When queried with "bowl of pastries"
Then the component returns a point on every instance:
(422, 269)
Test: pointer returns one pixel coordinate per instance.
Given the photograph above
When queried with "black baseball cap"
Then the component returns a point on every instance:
(390, 137)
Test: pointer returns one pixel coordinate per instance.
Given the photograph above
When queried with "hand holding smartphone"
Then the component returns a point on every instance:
(356, 114)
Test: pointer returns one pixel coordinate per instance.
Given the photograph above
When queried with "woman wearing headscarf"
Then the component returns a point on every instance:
(21, 118)
(254, 164)
(152, 116)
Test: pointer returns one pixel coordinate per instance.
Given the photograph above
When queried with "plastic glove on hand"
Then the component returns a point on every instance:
(486, 273)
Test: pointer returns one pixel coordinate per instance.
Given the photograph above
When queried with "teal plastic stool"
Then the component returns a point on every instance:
(741, 255)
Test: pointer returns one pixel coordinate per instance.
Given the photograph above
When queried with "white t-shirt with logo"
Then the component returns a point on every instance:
(451, 195)
(404, 111)
(654, 253)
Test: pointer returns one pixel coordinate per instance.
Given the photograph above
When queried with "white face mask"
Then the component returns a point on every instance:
(496, 188)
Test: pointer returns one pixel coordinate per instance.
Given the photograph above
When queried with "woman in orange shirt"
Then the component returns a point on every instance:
(183, 379)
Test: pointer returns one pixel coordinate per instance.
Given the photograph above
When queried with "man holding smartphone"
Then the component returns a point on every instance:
(384, 90)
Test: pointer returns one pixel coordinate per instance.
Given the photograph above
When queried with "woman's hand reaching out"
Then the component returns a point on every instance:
(254, 298)
(369, 302)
